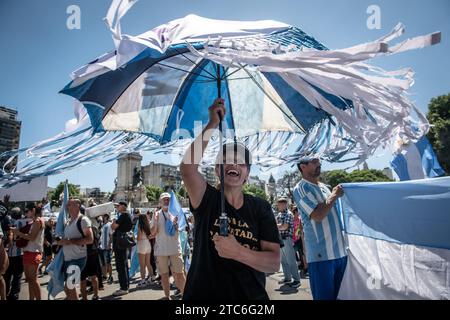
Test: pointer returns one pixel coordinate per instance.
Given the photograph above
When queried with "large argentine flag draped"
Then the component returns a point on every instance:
(417, 161)
(398, 240)
(55, 268)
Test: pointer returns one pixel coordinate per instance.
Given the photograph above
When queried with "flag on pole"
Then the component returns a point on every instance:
(55, 268)
(62, 217)
(176, 210)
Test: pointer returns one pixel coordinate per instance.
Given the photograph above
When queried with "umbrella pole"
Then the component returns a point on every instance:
(223, 219)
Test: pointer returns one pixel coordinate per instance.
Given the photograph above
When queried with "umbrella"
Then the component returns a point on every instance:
(286, 93)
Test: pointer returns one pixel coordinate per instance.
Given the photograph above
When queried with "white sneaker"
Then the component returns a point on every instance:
(120, 293)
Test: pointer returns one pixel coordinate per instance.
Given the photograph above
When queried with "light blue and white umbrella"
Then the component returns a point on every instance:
(286, 95)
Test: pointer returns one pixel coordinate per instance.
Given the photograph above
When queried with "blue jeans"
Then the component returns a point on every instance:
(288, 261)
(105, 256)
(325, 278)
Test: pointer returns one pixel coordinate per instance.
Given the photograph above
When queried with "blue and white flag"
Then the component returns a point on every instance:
(134, 267)
(176, 210)
(55, 268)
(417, 161)
(398, 240)
(62, 217)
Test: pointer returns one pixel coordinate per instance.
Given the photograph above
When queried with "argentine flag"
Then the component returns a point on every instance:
(134, 267)
(417, 161)
(62, 217)
(55, 268)
(176, 210)
(398, 240)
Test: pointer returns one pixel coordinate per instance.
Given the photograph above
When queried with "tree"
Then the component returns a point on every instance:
(371, 175)
(182, 193)
(255, 191)
(153, 193)
(439, 135)
(289, 180)
(335, 177)
(55, 194)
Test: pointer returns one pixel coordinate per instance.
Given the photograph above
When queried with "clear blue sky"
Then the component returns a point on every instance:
(38, 52)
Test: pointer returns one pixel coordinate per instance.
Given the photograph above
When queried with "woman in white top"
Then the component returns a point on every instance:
(144, 248)
(32, 252)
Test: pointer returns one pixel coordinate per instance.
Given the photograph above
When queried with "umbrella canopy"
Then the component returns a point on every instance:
(283, 89)
(161, 93)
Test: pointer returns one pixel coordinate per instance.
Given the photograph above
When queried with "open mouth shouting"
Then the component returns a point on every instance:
(233, 173)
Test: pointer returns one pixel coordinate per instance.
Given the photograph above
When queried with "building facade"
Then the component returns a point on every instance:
(254, 180)
(9, 134)
(161, 175)
(271, 189)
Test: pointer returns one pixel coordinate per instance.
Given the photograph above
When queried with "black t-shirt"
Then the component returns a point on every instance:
(211, 277)
(48, 235)
(125, 225)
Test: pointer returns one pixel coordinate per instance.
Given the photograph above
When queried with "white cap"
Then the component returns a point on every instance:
(164, 195)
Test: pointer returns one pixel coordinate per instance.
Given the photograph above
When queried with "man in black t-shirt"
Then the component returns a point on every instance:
(123, 224)
(231, 267)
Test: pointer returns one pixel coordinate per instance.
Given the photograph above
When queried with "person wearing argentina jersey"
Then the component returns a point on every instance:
(325, 250)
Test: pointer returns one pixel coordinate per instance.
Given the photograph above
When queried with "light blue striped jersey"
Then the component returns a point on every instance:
(323, 240)
(105, 237)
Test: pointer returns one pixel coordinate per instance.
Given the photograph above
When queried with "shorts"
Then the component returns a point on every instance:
(176, 264)
(105, 256)
(32, 258)
(144, 246)
(92, 267)
(80, 263)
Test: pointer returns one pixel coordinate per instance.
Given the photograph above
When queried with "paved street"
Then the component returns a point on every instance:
(155, 292)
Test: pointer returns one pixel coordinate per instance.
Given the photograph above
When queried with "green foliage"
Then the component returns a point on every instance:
(153, 193)
(182, 193)
(335, 177)
(290, 179)
(254, 190)
(439, 135)
(55, 194)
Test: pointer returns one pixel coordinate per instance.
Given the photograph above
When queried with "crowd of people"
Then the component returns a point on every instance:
(304, 236)
(29, 243)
